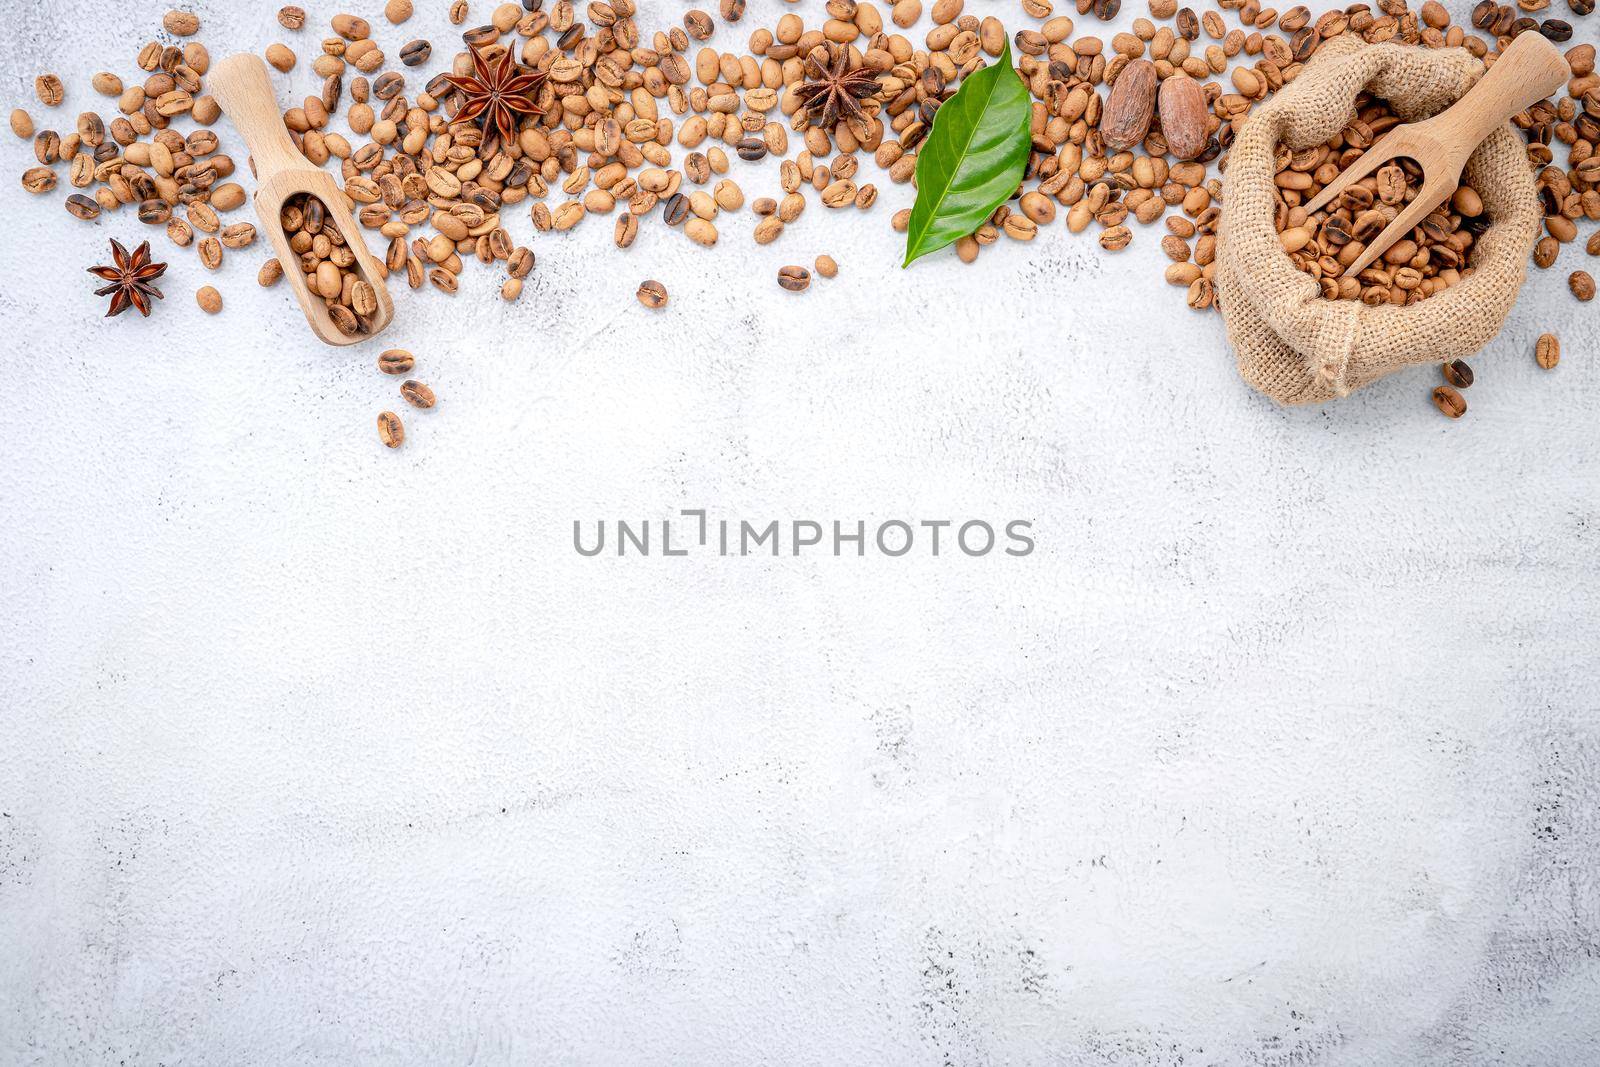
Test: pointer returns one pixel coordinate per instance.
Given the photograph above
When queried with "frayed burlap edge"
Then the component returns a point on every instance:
(1289, 342)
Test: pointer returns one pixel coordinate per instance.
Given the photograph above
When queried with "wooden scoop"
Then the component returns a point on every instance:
(242, 87)
(1530, 69)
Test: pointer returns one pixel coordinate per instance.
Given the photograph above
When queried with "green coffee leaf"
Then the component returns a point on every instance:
(973, 158)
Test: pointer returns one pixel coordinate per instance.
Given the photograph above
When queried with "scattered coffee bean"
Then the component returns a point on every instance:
(1581, 282)
(281, 57)
(396, 361)
(269, 274)
(794, 279)
(181, 23)
(209, 299)
(417, 394)
(826, 267)
(83, 207)
(1547, 351)
(1458, 374)
(292, 18)
(391, 431)
(652, 294)
(1449, 401)
(415, 53)
(49, 89)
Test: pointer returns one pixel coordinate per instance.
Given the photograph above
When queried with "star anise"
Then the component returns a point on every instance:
(833, 93)
(130, 278)
(496, 95)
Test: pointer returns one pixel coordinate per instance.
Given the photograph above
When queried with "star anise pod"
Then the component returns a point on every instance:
(496, 95)
(130, 278)
(833, 93)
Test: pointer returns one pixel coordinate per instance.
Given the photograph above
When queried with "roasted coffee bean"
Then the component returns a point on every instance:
(417, 394)
(1458, 373)
(82, 207)
(388, 85)
(415, 53)
(652, 294)
(1547, 351)
(391, 431)
(732, 10)
(396, 361)
(269, 274)
(1582, 285)
(209, 299)
(1106, 10)
(155, 212)
(698, 24)
(751, 149)
(49, 89)
(292, 18)
(1449, 401)
(675, 210)
(181, 23)
(1556, 30)
(794, 279)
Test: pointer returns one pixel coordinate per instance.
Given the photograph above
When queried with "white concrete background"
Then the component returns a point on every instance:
(1281, 749)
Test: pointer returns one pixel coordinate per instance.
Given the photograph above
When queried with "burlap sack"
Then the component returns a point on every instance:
(1299, 348)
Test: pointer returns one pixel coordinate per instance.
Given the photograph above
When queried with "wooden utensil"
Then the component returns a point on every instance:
(1530, 69)
(244, 90)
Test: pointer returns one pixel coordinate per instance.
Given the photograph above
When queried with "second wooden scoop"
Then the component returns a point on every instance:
(244, 90)
(1530, 69)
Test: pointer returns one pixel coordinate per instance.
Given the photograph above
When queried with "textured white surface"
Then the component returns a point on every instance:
(1281, 749)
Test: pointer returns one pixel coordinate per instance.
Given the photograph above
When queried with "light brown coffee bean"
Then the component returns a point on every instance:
(21, 124)
(211, 253)
(49, 89)
(398, 11)
(181, 23)
(292, 17)
(269, 273)
(794, 279)
(1582, 285)
(417, 394)
(391, 431)
(396, 361)
(652, 294)
(1115, 238)
(1547, 351)
(209, 299)
(1447, 400)
(38, 180)
(826, 266)
(281, 56)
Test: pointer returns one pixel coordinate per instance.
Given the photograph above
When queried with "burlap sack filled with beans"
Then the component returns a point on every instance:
(1290, 342)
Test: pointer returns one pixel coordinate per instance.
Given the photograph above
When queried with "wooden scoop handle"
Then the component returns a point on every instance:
(244, 90)
(1530, 69)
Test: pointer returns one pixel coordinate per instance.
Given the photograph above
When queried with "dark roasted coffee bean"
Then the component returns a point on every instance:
(155, 212)
(1485, 13)
(1188, 24)
(1556, 30)
(752, 149)
(47, 147)
(1106, 10)
(388, 85)
(415, 53)
(1458, 374)
(675, 210)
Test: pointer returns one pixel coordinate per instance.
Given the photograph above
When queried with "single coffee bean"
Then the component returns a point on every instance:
(652, 294)
(417, 394)
(83, 207)
(1547, 351)
(391, 431)
(1556, 30)
(292, 18)
(1449, 401)
(732, 10)
(38, 179)
(49, 89)
(1582, 285)
(269, 274)
(751, 149)
(415, 53)
(1458, 374)
(209, 299)
(826, 266)
(675, 210)
(794, 279)
(396, 361)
